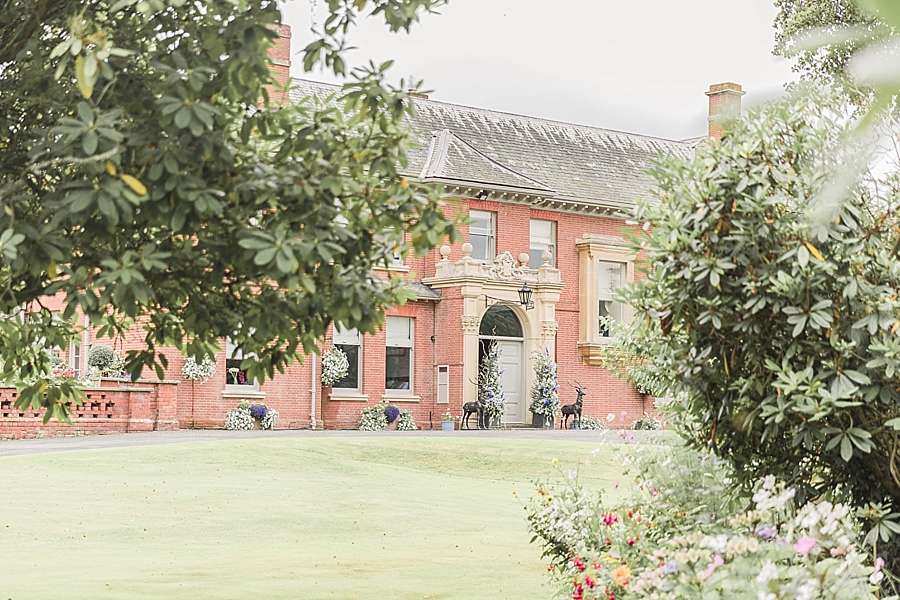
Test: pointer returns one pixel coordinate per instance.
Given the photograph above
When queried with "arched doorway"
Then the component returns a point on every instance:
(500, 325)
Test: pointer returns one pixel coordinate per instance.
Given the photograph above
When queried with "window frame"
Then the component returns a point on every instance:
(349, 337)
(232, 352)
(410, 391)
(617, 310)
(551, 246)
(489, 233)
(594, 249)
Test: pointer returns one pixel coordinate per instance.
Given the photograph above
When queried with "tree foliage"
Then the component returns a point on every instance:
(841, 27)
(147, 177)
(781, 326)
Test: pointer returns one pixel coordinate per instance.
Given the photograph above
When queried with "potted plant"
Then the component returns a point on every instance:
(544, 392)
(448, 421)
(490, 387)
(392, 414)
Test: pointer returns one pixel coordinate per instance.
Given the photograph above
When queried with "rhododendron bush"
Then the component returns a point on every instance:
(683, 535)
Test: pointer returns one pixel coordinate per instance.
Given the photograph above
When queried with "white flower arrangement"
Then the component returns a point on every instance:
(198, 372)
(268, 422)
(374, 419)
(406, 422)
(647, 422)
(335, 366)
(242, 419)
(490, 386)
(239, 419)
(545, 390)
(591, 423)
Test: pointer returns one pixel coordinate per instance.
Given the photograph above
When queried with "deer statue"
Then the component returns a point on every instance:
(573, 410)
(473, 408)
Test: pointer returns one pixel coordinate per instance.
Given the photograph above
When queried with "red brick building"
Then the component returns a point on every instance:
(548, 203)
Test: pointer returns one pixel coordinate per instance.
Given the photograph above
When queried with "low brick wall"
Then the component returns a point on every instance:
(112, 407)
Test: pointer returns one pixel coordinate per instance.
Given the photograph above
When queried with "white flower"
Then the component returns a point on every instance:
(768, 572)
(335, 366)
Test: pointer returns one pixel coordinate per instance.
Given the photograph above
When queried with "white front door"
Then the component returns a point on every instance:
(511, 363)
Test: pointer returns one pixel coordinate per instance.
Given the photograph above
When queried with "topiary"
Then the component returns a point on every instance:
(105, 359)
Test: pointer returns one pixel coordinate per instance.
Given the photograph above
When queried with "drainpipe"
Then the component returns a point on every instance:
(312, 395)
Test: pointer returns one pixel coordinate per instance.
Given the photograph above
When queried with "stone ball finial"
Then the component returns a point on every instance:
(445, 252)
(546, 255)
(467, 249)
(523, 259)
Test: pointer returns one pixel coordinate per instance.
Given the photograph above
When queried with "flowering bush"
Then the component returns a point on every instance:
(490, 387)
(201, 372)
(545, 390)
(406, 422)
(107, 361)
(247, 414)
(391, 413)
(335, 366)
(647, 422)
(682, 537)
(591, 423)
(373, 418)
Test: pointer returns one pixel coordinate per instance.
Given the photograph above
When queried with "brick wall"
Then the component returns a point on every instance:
(113, 407)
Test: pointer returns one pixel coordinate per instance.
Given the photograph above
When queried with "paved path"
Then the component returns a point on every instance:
(184, 436)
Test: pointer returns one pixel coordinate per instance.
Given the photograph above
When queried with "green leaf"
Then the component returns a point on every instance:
(89, 142)
(802, 257)
(846, 449)
(183, 117)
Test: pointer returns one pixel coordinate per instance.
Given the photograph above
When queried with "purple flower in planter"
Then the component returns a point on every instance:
(258, 412)
(392, 413)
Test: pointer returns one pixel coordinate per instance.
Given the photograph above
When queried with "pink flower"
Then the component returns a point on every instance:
(717, 562)
(804, 545)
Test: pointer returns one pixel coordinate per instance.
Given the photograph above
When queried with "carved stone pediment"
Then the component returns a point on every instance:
(503, 268)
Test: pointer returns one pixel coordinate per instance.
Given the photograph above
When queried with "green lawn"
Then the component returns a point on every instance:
(325, 517)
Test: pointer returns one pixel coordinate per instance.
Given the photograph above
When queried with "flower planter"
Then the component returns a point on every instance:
(448, 425)
(393, 425)
(541, 422)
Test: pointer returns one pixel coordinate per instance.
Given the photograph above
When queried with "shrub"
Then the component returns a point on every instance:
(647, 422)
(335, 366)
(201, 372)
(106, 360)
(246, 415)
(681, 535)
(545, 390)
(373, 418)
(591, 423)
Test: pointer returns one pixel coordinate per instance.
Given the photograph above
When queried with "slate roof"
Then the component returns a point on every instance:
(590, 166)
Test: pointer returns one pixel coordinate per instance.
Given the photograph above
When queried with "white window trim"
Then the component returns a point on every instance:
(491, 234)
(410, 393)
(594, 249)
(549, 246)
(340, 337)
(236, 389)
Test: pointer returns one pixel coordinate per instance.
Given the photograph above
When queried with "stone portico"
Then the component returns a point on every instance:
(485, 284)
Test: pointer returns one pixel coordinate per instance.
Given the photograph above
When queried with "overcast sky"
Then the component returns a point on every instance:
(639, 66)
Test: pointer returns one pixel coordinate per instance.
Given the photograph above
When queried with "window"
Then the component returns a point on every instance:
(605, 263)
(443, 384)
(350, 342)
(543, 237)
(393, 241)
(75, 357)
(398, 360)
(483, 234)
(235, 376)
(611, 276)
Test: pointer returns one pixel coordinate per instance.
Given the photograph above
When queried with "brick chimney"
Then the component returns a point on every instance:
(724, 104)
(280, 54)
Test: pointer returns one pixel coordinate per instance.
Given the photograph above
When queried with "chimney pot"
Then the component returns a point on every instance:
(724, 105)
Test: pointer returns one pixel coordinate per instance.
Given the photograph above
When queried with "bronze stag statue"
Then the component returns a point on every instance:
(573, 410)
